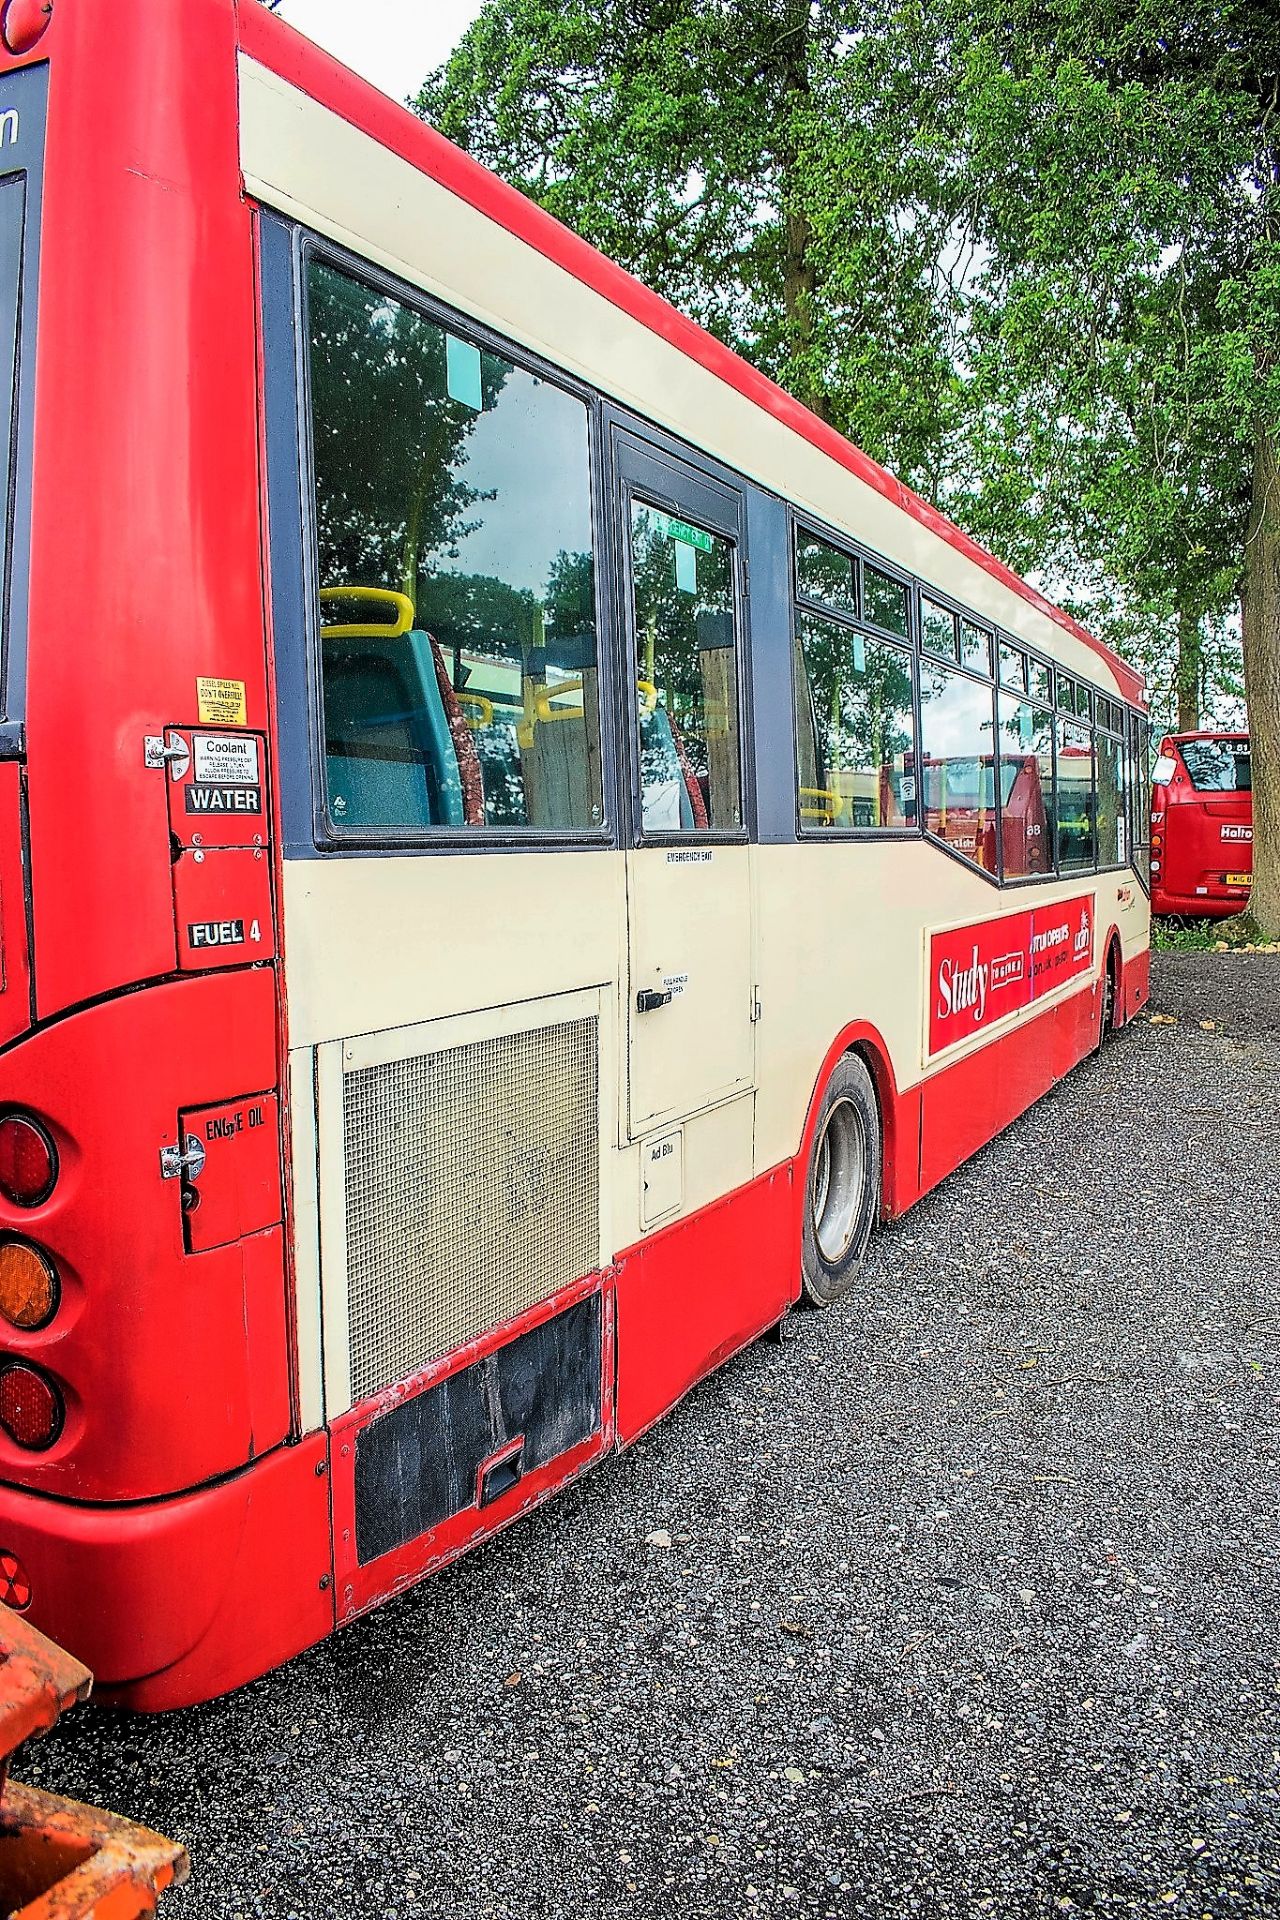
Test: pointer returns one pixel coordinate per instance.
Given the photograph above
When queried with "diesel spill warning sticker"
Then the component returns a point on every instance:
(978, 974)
(220, 703)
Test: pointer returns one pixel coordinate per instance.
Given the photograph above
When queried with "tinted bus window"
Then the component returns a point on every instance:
(823, 573)
(1028, 828)
(12, 210)
(1217, 766)
(957, 754)
(885, 601)
(856, 729)
(1112, 851)
(686, 664)
(457, 577)
(1076, 829)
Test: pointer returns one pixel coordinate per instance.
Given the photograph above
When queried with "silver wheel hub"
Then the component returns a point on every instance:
(839, 1181)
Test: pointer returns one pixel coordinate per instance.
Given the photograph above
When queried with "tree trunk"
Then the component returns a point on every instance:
(799, 282)
(1261, 627)
(1190, 660)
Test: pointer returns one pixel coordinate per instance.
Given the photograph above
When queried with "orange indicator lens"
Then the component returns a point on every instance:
(28, 1286)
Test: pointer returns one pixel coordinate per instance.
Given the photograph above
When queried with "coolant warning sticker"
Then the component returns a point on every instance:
(221, 703)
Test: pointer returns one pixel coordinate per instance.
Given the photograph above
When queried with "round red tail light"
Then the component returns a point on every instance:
(28, 1161)
(23, 22)
(31, 1410)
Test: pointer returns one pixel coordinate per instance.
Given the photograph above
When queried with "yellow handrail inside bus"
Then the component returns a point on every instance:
(545, 694)
(482, 702)
(826, 812)
(399, 603)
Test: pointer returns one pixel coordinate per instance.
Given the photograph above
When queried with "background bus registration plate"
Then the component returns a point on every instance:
(1239, 879)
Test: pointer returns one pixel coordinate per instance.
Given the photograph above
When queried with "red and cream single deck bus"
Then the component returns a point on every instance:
(517, 846)
(1202, 825)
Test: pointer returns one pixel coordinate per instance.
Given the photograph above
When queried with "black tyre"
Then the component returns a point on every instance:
(1110, 994)
(842, 1185)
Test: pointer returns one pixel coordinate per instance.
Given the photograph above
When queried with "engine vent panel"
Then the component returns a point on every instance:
(472, 1192)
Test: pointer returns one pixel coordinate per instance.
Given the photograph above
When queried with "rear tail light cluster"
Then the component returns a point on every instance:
(31, 1410)
(31, 1407)
(28, 1161)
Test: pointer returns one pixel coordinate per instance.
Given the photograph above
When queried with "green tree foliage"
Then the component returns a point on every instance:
(770, 166)
(1125, 326)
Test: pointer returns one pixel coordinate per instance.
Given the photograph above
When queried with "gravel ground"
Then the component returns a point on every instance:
(970, 1606)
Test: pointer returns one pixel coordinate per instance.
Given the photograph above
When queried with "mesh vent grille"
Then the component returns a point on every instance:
(472, 1192)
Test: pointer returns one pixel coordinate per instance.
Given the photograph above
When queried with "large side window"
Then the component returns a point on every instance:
(855, 728)
(1028, 820)
(957, 762)
(456, 576)
(1140, 793)
(687, 675)
(1109, 771)
(1076, 826)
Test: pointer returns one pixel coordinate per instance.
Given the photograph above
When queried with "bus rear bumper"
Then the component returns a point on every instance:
(180, 1599)
(1198, 906)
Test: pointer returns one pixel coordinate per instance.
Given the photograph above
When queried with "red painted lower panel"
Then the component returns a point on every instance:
(1135, 985)
(697, 1291)
(183, 1599)
(972, 1101)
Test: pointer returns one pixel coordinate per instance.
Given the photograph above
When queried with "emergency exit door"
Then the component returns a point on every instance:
(691, 1000)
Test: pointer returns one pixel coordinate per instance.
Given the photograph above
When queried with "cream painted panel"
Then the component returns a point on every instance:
(689, 910)
(309, 163)
(718, 1156)
(392, 940)
(304, 1215)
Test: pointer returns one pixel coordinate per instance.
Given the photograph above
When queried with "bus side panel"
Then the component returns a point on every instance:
(697, 1291)
(146, 563)
(15, 978)
(969, 1103)
(183, 1599)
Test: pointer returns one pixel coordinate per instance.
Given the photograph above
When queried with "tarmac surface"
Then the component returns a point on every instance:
(970, 1605)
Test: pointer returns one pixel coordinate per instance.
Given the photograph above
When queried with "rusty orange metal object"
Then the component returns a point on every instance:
(58, 1859)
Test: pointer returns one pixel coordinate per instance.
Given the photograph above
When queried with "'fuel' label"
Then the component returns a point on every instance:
(223, 898)
(221, 933)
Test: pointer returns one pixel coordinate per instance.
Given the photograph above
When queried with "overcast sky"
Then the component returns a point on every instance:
(394, 43)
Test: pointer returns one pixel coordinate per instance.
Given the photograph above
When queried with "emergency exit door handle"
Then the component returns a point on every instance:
(649, 999)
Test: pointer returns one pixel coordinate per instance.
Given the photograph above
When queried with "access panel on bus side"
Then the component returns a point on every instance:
(690, 983)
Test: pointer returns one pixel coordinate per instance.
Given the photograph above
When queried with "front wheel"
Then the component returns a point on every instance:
(1110, 995)
(842, 1189)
